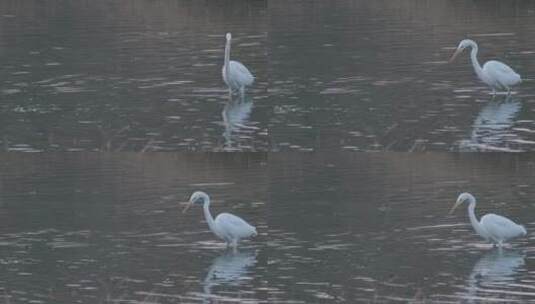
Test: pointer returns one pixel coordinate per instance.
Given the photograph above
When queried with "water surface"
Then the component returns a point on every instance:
(106, 228)
(373, 75)
(126, 75)
(350, 75)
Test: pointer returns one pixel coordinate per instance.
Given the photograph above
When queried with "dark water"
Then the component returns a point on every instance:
(126, 75)
(107, 228)
(373, 75)
(353, 75)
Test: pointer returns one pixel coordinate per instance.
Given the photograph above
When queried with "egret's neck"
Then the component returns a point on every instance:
(475, 62)
(227, 57)
(473, 220)
(208, 215)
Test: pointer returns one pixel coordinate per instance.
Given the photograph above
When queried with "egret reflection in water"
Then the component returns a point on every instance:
(491, 128)
(229, 269)
(235, 115)
(495, 270)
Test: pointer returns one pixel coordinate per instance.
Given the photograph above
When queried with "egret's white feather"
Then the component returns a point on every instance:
(493, 228)
(234, 227)
(239, 76)
(501, 228)
(501, 74)
(226, 226)
(234, 73)
(495, 74)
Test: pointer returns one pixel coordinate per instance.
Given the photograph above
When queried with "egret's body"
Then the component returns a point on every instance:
(235, 74)
(226, 226)
(493, 228)
(497, 75)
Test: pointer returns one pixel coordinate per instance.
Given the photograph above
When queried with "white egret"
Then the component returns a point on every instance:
(493, 228)
(495, 74)
(235, 74)
(226, 226)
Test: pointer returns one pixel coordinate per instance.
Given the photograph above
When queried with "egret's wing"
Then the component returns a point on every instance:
(501, 72)
(501, 228)
(234, 226)
(499, 67)
(239, 71)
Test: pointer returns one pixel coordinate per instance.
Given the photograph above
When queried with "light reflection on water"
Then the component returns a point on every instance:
(100, 228)
(229, 269)
(364, 76)
(334, 227)
(124, 76)
(493, 273)
(356, 76)
(377, 229)
(492, 128)
(239, 133)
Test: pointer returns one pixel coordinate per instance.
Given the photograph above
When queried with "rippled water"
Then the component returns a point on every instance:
(376, 227)
(373, 75)
(352, 75)
(108, 228)
(126, 75)
(92, 228)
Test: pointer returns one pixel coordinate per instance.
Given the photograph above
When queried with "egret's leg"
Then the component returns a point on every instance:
(234, 246)
(229, 93)
(242, 91)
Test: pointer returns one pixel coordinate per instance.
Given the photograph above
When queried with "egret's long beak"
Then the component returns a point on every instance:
(187, 207)
(457, 52)
(457, 203)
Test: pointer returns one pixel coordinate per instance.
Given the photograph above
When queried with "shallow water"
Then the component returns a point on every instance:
(100, 228)
(351, 75)
(126, 75)
(373, 75)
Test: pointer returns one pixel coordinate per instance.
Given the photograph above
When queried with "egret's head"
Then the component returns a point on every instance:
(197, 198)
(463, 198)
(465, 43)
(229, 36)
(462, 45)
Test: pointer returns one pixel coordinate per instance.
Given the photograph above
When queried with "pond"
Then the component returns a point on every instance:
(352, 75)
(333, 227)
